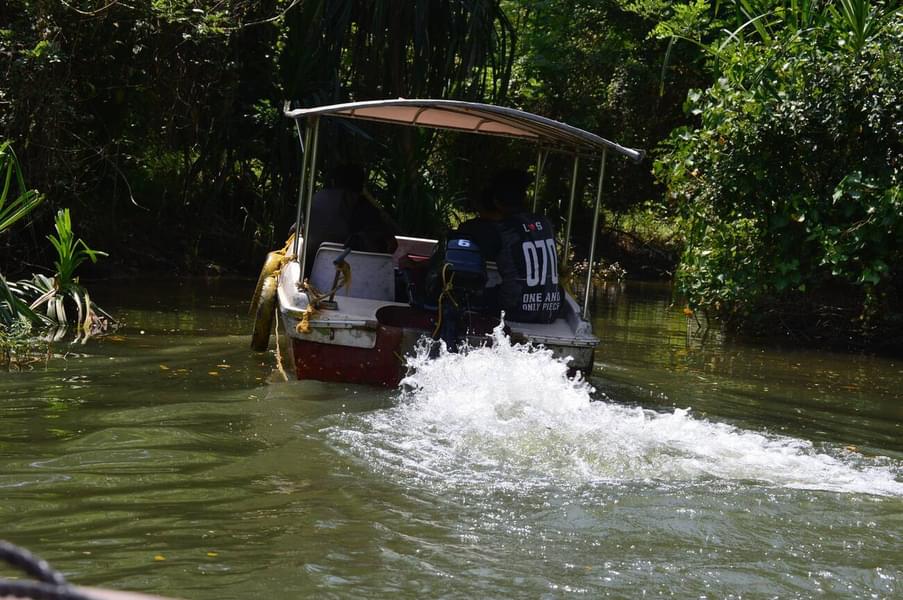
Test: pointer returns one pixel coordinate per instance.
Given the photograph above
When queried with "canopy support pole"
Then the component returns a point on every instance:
(304, 145)
(592, 245)
(312, 167)
(567, 232)
(541, 156)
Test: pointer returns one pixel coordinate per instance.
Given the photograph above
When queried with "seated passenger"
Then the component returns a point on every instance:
(522, 244)
(482, 230)
(344, 214)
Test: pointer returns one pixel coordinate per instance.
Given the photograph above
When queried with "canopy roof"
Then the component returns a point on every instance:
(472, 117)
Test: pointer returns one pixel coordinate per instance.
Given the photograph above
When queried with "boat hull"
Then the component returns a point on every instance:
(384, 364)
(380, 365)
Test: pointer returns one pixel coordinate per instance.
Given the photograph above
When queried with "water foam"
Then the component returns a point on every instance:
(509, 416)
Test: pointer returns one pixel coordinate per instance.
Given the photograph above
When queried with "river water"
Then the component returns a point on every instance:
(166, 459)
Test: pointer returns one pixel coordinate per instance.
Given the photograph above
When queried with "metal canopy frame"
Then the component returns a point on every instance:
(472, 117)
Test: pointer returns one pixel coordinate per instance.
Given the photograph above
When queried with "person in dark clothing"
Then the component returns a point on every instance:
(522, 244)
(342, 213)
(482, 230)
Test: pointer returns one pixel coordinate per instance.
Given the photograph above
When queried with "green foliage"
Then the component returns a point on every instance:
(791, 182)
(71, 252)
(13, 308)
(595, 64)
(94, 94)
(18, 347)
(363, 49)
(336, 51)
(19, 300)
(16, 200)
(861, 20)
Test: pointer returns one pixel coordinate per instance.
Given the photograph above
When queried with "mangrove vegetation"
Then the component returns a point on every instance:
(33, 312)
(772, 190)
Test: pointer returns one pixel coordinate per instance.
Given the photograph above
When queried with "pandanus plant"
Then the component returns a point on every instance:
(53, 292)
(16, 201)
(21, 301)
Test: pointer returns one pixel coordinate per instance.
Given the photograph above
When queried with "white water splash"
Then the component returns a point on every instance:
(508, 416)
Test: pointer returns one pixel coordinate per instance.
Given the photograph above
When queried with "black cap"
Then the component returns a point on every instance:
(347, 176)
(509, 186)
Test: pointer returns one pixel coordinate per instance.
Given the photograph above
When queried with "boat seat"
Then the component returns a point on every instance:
(372, 273)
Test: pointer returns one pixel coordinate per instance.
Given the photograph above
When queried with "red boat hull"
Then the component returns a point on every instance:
(383, 365)
(380, 365)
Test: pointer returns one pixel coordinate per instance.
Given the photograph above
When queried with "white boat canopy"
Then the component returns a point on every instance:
(472, 117)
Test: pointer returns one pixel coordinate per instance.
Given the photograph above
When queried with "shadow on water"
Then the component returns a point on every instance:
(162, 459)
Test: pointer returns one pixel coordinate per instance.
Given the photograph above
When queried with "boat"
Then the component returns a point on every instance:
(361, 333)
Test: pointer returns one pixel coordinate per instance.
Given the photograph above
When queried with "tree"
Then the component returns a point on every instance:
(147, 114)
(367, 49)
(791, 180)
(596, 64)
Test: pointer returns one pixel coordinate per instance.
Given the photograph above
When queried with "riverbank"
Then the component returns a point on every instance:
(140, 249)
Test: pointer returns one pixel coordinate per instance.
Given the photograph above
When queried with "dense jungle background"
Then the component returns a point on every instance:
(772, 191)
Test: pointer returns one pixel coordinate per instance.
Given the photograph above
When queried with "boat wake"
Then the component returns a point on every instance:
(508, 416)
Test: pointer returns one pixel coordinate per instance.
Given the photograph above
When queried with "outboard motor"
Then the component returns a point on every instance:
(459, 281)
(464, 261)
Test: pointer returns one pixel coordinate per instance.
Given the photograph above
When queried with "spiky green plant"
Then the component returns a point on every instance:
(53, 292)
(16, 200)
(71, 252)
(13, 307)
(16, 318)
(858, 21)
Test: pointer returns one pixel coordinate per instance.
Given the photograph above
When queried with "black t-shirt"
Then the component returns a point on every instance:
(523, 248)
(484, 234)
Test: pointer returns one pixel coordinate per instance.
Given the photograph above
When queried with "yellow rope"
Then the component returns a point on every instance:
(446, 291)
(278, 352)
(345, 268)
(285, 257)
(315, 296)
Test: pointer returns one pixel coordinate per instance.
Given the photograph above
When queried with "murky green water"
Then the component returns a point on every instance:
(160, 460)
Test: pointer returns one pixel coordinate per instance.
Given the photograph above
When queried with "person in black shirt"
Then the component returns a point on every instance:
(482, 230)
(522, 244)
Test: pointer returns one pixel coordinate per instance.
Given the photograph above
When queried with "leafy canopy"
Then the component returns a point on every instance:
(792, 180)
